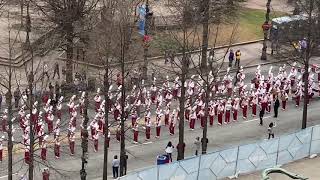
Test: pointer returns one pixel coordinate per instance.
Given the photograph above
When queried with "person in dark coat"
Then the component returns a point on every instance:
(261, 114)
(276, 107)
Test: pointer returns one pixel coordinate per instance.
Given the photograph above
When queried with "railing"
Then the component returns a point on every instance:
(242, 159)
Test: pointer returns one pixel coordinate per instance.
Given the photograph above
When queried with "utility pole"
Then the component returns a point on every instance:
(84, 143)
(145, 41)
(266, 28)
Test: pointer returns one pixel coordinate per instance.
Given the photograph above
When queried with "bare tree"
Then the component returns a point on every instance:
(67, 15)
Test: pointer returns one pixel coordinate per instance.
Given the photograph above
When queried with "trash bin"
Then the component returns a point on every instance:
(162, 159)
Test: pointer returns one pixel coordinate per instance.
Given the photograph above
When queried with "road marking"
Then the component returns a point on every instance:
(147, 143)
(7, 175)
(132, 146)
(256, 119)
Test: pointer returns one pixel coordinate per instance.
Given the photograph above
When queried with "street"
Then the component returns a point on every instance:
(144, 153)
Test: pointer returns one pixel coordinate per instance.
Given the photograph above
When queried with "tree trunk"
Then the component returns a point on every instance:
(106, 124)
(31, 133)
(265, 33)
(306, 57)
(69, 51)
(205, 32)
(181, 144)
(84, 142)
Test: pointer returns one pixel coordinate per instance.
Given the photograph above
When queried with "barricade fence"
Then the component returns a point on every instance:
(242, 159)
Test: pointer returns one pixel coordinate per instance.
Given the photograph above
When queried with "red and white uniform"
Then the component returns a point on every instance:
(211, 115)
(193, 118)
(57, 148)
(220, 113)
(235, 108)
(50, 122)
(158, 125)
(172, 123)
(284, 98)
(135, 133)
(244, 107)
(167, 116)
(43, 153)
(202, 117)
(228, 109)
(96, 142)
(1, 149)
(97, 100)
(148, 129)
(254, 105)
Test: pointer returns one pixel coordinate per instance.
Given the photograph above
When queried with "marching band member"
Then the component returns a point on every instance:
(220, 112)
(97, 99)
(244, 106)
(1, 148)
(96, 141)
(193, 118)
(228, 108)
(235, 108)
(135, 133)
(57, 147)
(211, 114)
(148, 129)
(43, 153)
(158, 125)
(172, 122)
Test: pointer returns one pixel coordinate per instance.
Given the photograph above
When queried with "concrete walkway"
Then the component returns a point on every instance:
(308, 168)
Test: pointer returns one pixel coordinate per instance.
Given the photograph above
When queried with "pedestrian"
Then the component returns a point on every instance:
(115, 166)
(45, 71)
(270, 130)
(56, 70)
(0, 100)
(197, 144)
(169, 150)
(261, 114)
(125, 165)
(276, 107)
(238, 55)
(231, 57)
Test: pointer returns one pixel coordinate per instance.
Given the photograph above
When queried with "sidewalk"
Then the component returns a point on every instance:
(308, 168)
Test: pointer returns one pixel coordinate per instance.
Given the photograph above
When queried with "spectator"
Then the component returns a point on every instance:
(57, 91)
(276, 107)
(197, 145)
(56, 70)
(261, 114)
(45, 71)
(8, 97)
(0, 100)
(169, 150)
(204, 141)
(125, 165)
(238, 55)
(231, 58)
(270, 130)
(115, 166)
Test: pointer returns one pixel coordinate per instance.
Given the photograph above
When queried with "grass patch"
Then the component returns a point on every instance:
(251, 20)
(249, 28)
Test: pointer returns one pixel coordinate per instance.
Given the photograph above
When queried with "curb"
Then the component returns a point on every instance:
(162, 57)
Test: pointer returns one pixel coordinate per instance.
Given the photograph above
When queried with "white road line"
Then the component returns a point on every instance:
(147, 143)
(132, 146)
(7, 175)
(256, 119)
